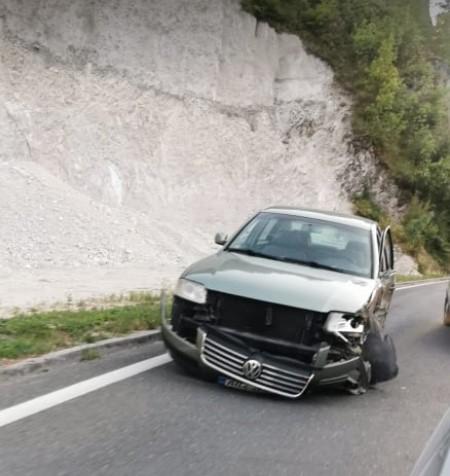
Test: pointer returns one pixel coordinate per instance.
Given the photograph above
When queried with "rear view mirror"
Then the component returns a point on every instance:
(220, 239)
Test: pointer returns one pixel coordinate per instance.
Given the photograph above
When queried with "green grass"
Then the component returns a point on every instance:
(41, 332)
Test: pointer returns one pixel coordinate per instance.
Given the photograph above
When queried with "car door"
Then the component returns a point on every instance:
(387, 273)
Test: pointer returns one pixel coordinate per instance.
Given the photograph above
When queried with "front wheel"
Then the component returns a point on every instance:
(380, 352)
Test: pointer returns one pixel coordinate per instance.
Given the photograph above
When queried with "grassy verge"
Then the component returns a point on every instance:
(41, 332)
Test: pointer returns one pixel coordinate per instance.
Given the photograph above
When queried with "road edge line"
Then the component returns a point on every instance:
(44, 402)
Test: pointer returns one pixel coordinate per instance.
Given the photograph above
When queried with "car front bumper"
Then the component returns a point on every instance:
(216, 356)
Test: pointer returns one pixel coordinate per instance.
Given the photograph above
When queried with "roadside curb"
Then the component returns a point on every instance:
(74, 353)
(422, 281)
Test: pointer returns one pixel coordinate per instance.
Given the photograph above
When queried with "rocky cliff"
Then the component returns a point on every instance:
(131, 131)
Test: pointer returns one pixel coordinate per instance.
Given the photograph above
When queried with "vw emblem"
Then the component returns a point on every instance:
(252, 369)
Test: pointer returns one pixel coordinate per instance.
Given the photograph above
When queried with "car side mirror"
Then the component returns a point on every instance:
(220, 239)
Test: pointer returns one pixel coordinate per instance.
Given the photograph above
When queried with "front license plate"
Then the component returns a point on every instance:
(231, 383)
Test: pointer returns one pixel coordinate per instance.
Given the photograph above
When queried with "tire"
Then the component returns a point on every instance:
(380, 352)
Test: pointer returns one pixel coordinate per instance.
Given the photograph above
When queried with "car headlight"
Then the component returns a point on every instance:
(191, 291)
(340, 324)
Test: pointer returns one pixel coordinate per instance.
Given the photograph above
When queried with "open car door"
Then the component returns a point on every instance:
(387, 273)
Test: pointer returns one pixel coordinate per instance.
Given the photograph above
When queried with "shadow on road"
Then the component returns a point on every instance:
(437, 339)
(318, 395)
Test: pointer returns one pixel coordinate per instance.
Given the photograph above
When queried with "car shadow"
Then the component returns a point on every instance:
(317, 395)
(437, 338)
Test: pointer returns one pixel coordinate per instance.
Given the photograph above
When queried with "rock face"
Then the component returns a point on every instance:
(131, 131)
(436, 7)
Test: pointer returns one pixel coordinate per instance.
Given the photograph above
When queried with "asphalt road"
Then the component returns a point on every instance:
(162, 422)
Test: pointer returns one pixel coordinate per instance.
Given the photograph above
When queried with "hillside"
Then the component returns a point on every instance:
(392, 60)
(131, 133)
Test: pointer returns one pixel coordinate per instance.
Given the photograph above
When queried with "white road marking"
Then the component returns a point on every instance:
(44, 402)
(418, 285)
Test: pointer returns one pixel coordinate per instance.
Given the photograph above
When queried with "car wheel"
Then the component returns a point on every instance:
(380, 352)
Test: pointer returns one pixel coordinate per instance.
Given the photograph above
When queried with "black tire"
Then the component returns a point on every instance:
(380, 352)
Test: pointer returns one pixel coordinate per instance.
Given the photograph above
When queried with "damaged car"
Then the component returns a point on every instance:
(296, 299)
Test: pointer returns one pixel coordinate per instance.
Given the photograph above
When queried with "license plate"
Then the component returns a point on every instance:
(231, 383)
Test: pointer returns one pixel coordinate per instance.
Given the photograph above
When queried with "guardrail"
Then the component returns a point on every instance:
(423, 281)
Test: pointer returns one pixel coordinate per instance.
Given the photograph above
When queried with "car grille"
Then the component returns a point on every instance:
(273, 378)
(267, 319)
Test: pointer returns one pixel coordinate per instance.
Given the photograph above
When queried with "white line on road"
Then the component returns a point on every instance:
(418, 285)
(44, 402)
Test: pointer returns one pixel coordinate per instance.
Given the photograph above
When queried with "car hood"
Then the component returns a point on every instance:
(288, 284)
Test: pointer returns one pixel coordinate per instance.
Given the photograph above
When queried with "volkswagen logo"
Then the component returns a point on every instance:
(252, 369)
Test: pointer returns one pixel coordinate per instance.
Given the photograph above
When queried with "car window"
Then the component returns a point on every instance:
(386, 254)
(386, 258)
(317, 243)
(383, 264)
(330, 236)
(246, 233)
(266, 230)
(388, 251)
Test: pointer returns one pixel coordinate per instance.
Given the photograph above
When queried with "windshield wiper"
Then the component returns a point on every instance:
(314, 264)
(250, 252)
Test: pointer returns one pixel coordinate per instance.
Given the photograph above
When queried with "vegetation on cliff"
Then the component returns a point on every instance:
(388, 56)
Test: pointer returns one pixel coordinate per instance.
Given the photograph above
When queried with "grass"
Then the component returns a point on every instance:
(45, 331)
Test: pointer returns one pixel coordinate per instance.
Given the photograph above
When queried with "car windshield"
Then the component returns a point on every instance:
(315, 243)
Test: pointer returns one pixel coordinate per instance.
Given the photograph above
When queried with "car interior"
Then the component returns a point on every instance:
(287, 240)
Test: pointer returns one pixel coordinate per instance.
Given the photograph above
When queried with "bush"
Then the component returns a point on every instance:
(365, 206)
(382, 53)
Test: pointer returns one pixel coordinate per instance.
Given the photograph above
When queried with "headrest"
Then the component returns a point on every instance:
(293, 239)
(356, 246)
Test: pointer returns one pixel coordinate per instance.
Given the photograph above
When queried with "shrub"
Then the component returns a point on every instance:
(382, 53)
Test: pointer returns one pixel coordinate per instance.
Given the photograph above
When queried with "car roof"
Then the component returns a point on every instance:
(341, 218)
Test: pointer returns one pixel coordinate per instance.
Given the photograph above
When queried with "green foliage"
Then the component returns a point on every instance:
(384, 53)
(365, 206)
(419, 225)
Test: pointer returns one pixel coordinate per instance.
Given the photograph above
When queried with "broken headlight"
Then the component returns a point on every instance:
(343, 326)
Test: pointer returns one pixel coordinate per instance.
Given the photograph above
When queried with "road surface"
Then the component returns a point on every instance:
(164, 423)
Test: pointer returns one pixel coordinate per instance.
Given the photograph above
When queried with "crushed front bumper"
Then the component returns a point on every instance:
(225, 357)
